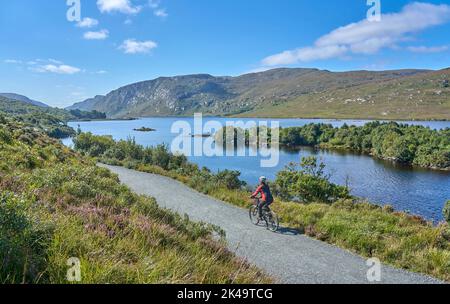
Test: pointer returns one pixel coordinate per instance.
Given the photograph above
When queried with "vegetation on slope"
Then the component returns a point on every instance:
(52, 121)
(402, 94)
(323, 210)
(425, 96)
(25, 99)
(411, 145)
(56, 204)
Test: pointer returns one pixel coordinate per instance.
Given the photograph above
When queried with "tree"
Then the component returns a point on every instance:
(308, 184)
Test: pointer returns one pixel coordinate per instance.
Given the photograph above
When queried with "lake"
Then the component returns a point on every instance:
(419, 191)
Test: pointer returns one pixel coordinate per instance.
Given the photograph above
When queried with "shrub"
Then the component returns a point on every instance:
(308, 184)
(5, 136)
(230, 179)
(446, 212)
(94, 145)
(22, 241)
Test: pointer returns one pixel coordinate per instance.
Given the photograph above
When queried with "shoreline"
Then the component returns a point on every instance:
(266, 117)
(342, 118)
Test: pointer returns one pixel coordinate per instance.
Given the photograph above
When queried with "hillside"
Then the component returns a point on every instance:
(56, 205)
(25, 99)
(184, 95)
(52, 121)
(417, 97)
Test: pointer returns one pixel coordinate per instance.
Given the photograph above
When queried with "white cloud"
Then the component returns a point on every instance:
(12, 61)
(51, 60)
(155, 5)
(100, 35)
(132, 46)
(161, 13)
(87, 23)
(57, 69)
(61, 69)
(366, 37)
(122, 6)
(101, 72)
(427, 49)
(47, 66)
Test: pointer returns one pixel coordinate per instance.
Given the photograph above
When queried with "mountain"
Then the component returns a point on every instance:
(304, 91)
(424, 96)
(22, 98)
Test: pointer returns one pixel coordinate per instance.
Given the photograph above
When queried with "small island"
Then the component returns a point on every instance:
(144, 129)
(201, 135)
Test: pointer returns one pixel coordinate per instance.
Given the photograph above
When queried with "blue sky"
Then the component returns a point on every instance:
(117, 42)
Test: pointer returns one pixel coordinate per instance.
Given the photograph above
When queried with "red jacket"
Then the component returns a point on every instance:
(266, 195)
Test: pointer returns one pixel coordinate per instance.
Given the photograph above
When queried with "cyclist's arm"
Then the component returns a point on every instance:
(258, 191)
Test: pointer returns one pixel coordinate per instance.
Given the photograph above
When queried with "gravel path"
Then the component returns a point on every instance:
(288, 256)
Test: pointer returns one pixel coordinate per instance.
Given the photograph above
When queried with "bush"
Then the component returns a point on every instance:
(93, 145)
(230, 179)
(308, 184)
(22, 241)
(5, 136)
(446, 212)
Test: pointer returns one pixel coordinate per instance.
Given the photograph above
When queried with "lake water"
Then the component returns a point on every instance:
(419, 191)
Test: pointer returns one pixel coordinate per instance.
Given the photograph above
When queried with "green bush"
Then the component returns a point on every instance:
(308, 184)
(446, 212)
(5, 136)
(229, 179)
(23, 241)
(93, 145)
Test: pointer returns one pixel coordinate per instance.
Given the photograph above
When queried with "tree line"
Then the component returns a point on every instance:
(401, 143)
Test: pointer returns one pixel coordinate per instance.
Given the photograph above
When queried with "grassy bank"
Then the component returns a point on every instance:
(396, 238)
(56, 204)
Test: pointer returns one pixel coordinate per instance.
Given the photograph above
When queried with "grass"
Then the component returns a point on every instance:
(56, 204)
(418, 97)
(396, 238)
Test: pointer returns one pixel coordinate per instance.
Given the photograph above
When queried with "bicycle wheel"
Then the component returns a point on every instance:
(253, 213)
(272, 221)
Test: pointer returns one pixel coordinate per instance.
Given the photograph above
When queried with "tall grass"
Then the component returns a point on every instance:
(56, 204)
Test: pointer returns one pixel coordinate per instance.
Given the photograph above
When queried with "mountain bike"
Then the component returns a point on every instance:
(269, 217)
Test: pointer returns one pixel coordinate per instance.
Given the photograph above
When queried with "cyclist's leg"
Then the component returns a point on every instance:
(264, 207)
(260, 208)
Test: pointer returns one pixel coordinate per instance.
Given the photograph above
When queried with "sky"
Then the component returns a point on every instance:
(58, 53)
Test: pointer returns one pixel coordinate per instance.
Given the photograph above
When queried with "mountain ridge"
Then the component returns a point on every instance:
(246, 94)
(23, 98)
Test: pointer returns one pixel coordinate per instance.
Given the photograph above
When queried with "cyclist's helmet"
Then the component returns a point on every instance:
(262, 179)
